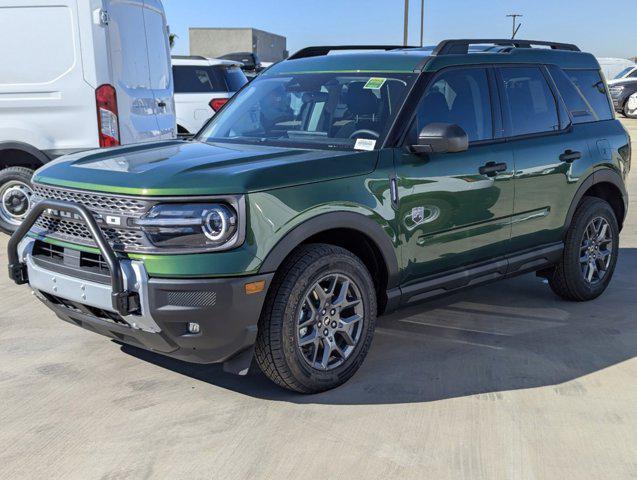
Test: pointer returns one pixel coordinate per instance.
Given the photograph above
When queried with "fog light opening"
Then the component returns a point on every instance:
(194, 328)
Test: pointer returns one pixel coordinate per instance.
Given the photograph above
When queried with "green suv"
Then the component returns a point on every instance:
(332, 189)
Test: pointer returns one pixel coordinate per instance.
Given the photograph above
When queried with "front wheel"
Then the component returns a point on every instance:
(318, 321)
(590, 252)
(15, 197)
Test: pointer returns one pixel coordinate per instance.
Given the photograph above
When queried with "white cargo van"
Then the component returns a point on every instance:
(77, 75)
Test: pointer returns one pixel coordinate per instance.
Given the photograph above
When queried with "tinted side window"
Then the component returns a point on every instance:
(592, 87)
(193, 79)
(529, 101)
(459, 97)
(235, 78)
(576, 102)
(633, 75)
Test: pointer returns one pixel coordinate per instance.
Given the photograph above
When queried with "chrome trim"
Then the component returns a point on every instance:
(90, 293)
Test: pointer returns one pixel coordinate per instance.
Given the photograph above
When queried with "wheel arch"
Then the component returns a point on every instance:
(360, 234)
(606, 184)
(19, 154)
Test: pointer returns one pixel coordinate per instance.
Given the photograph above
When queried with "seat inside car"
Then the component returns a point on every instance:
(362, 109)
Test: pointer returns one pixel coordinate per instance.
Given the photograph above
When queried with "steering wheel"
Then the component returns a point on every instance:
(374, 134)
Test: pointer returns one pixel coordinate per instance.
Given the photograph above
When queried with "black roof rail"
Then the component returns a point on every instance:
(324, 50)
(461, 47)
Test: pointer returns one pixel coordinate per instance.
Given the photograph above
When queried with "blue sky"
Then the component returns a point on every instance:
(604, 28)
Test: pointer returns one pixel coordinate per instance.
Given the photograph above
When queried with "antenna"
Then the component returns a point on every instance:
(515, 29)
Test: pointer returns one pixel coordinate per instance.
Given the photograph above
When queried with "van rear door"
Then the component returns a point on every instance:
(161, 80)
(130, 68)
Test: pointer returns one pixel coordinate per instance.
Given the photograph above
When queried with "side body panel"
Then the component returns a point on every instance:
(451, 215)
(45, 100)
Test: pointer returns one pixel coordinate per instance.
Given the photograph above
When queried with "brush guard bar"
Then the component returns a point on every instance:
(124, 302)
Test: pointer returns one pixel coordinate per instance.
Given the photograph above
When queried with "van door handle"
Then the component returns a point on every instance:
(161, 104)
(491, 169)
(569, 156)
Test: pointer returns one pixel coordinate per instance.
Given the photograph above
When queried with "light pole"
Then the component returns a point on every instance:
(515, 16)
(422, 21)
(406, 29)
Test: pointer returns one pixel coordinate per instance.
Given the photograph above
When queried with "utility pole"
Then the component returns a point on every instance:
(422, 21)
(406, 30)
(515, 16)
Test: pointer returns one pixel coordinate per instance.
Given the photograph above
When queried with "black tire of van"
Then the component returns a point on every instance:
(15, 195)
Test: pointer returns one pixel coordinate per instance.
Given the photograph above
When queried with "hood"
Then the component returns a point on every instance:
(622, 81)
(194, 168)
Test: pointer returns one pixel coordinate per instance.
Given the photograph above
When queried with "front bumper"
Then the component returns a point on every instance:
(226, 315)
(129, 306)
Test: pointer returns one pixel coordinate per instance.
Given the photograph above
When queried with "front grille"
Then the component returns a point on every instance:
(77, 232)
(93, 201)
(124, 237)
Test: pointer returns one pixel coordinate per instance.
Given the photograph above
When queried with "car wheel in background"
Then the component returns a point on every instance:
(630, 107)
(318, 321)
(590, 252)
(15, 197)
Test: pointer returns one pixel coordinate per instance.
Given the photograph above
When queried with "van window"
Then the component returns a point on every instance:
(529, 101)
(461, 97)
(592, 87)
(158, 56)
(37, 44)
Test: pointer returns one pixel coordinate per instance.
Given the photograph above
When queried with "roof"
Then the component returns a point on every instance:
(392, 59)
(201, 61)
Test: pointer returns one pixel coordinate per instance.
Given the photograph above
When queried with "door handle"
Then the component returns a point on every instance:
(569, 156)
(491, 169)
(161, 104)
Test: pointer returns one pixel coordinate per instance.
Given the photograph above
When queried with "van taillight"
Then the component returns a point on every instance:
(107, 121)
(217, 103)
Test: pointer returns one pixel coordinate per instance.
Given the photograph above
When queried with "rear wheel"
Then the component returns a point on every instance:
(318, 321)
(590, 253)
(15, 197)
(630, 107)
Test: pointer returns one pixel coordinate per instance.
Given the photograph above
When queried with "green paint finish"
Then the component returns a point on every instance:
(448, 216)
(392, 61)
(195, 168)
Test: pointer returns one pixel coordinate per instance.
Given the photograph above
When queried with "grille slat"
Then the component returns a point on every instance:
(93, 201)
(74, 230)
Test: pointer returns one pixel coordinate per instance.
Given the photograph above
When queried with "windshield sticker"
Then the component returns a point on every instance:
(365, 144)
(375, 83)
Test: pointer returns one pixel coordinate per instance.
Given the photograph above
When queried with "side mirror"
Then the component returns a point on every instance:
(441, 138)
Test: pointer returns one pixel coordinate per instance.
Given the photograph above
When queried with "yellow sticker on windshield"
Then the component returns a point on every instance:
(375, 83)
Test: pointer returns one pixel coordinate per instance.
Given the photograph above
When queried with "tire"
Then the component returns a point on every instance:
(630, 107)
(15, 186)
(570, 278)
(278, 350)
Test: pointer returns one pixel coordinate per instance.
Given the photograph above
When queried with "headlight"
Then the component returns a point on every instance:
(191, 225)
(616, 91)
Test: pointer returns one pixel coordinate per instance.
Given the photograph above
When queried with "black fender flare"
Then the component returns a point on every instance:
(605, 175)
(329, 221)
(26, 148)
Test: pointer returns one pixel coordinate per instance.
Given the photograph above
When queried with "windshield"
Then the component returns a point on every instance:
(327, 110)
(623, 73)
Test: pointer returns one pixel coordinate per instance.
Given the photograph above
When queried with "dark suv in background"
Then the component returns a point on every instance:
(330, 190)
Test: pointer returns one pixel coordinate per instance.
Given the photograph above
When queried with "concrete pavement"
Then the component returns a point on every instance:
(503, 381)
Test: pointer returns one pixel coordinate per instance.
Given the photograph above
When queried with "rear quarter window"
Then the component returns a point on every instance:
(592, 90)
(196, 79)
(235, 79)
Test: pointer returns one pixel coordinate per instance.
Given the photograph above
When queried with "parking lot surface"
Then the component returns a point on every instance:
(503, 381)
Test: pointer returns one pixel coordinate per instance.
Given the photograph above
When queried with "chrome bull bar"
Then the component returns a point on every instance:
(123, 301)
